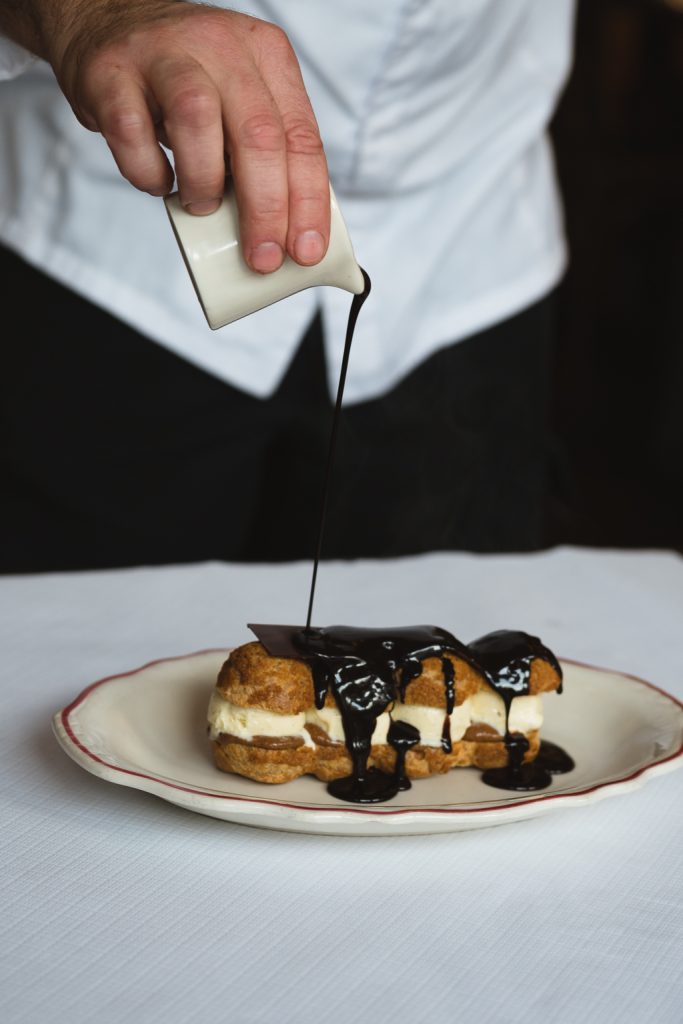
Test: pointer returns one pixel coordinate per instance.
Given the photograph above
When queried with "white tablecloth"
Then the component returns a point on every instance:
(116, 906)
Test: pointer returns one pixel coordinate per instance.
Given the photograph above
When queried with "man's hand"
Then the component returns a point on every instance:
(211, 85)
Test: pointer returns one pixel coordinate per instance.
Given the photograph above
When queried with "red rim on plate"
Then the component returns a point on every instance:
(65, 714)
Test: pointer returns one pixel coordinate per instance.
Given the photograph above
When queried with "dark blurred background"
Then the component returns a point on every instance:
(618, 401)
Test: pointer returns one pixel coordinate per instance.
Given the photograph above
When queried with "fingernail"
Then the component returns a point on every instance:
(266, 257)
(309, 247)
(204, 207)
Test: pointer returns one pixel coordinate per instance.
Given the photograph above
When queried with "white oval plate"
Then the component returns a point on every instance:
(147, 729)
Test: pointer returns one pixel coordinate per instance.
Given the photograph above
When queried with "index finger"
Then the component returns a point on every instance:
(116, 104)
(192, 119)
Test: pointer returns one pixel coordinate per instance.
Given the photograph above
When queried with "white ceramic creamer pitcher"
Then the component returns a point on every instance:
(227, 288)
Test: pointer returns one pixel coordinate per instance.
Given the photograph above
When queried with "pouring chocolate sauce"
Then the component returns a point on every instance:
(366, 670)
(356, 306)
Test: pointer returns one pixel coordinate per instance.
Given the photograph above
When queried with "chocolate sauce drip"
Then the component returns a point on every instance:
(505, 657)
(402, 737)
(448, 670)
(356, 306)
(362, 694)
(411, 670)
(446, 743)
(516, 775)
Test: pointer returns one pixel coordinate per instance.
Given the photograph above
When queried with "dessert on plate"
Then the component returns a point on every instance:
(367, 710)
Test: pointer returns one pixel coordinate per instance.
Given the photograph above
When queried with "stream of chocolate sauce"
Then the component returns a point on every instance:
(366, 670)
(356, 307)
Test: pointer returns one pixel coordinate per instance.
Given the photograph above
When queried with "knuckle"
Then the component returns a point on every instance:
(313, 201)
(123, 125)
(270, 34)
(276, 37)
(303, 138)
(270, 209)
(194, 105)
(262, 132)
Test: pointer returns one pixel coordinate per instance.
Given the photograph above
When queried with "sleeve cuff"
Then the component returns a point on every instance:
(14, 59)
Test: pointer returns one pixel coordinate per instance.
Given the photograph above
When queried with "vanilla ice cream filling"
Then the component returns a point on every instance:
(526, 713)
(429, 721)
(485, 707)
(246, 723)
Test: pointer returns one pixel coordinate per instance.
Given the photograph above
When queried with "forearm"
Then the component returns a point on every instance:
(45, 27)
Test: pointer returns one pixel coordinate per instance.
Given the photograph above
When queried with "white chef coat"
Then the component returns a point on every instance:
(433, 115)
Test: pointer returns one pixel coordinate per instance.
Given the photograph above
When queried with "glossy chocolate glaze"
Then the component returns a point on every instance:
(505, 658)
(366, 670)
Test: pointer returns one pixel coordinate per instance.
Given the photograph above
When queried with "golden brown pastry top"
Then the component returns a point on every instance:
(543, 678)
(429, 688)
(251, 678)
